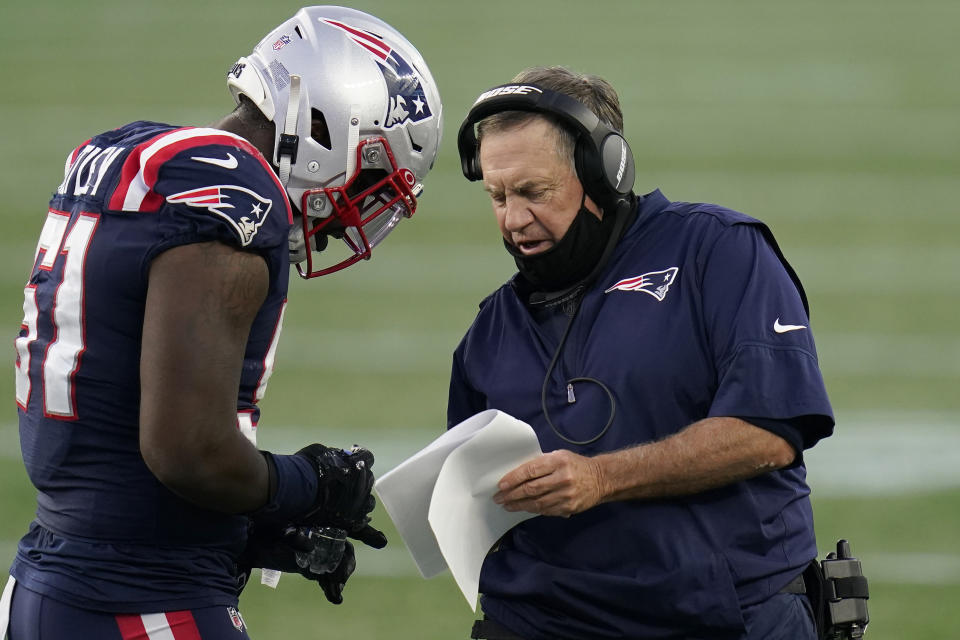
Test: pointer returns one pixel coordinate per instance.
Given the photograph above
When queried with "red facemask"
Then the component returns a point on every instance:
(363, 211)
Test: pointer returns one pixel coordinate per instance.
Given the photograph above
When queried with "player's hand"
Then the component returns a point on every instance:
(332, 583)
(369, 536)
(344, 483)
(559, 483)
(309, 551)
(321, 554)
(317, 550)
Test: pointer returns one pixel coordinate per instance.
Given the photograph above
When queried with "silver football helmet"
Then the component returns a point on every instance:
(358, 122)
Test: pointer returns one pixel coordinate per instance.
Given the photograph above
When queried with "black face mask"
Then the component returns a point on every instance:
(572, 258)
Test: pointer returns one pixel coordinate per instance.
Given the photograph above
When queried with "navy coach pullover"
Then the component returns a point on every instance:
(696, 315)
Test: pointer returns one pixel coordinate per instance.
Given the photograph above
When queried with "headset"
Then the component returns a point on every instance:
(603, 159)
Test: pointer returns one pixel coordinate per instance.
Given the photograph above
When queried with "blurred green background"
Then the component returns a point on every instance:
(835, 122)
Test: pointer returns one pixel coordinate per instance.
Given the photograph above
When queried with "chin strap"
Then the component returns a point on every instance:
(287, 148)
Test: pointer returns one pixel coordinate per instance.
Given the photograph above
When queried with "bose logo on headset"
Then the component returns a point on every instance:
(516, 89)
(602, 157)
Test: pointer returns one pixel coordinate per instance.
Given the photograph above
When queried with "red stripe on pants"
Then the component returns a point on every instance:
(183, 625)
(131, 627)
(180, 623)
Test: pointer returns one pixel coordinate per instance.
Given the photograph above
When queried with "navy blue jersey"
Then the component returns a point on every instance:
(697, 314)
(107, 535)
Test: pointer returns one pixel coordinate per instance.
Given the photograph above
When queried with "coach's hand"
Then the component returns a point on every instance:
(344, 483)
(559, 483)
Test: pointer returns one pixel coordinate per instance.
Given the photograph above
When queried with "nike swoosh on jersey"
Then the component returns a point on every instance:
(783, 328)
(227, 163)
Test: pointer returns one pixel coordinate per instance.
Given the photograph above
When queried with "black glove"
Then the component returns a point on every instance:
(344, 482)
(332, 583)
(309, 551)
(316, 550)
(320, 554)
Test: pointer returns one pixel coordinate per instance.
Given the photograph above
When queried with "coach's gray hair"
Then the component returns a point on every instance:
(594, 92)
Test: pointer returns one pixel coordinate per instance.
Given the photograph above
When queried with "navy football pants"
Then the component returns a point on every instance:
(785, 616)
(37, 617)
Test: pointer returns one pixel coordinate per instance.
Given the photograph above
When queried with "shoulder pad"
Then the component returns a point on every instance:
(211, 176)
(207, 156)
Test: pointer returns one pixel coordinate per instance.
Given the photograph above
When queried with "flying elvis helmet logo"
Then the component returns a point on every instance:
(408, 102)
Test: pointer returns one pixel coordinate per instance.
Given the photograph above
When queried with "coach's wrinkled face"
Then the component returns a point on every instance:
(535, 192)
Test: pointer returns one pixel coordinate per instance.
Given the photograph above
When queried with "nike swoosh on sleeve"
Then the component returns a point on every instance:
(230, 162)
(783, 328)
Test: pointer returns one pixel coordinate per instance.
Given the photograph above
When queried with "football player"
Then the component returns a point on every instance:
(151, 320)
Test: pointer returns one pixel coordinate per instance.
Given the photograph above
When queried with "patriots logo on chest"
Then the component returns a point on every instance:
(408, 101)
(244, 209)
(655, 283)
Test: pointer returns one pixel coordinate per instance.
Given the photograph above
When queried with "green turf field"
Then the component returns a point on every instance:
(834, 121)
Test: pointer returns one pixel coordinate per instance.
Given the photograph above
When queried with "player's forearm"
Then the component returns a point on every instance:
(228, 476)
(710, 453)
(201, 302)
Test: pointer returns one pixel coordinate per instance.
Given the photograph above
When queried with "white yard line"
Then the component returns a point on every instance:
(871, 454)
(886, 453)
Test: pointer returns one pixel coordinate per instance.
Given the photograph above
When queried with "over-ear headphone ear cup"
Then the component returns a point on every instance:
(469, 149)
(617, 164)
(475, 168)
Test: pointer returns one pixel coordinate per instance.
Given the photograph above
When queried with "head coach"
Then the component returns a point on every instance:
(663, 354)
